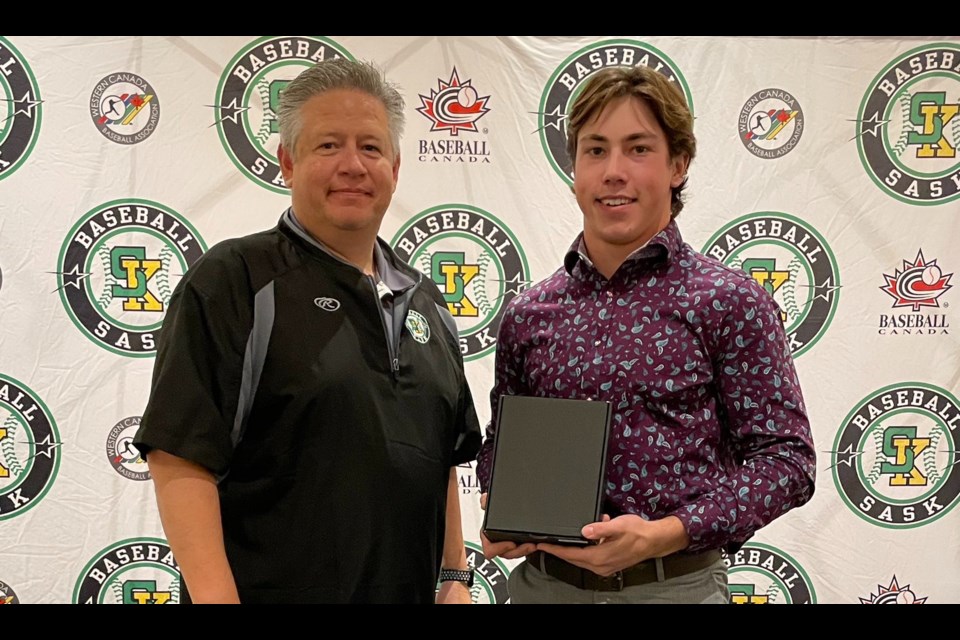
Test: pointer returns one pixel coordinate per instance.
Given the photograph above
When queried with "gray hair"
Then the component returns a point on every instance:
(337, 74)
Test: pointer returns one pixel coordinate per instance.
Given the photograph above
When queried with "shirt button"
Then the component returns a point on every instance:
(597, 343)
(609, 294)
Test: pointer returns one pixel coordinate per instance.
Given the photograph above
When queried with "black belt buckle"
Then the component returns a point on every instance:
(613, 582)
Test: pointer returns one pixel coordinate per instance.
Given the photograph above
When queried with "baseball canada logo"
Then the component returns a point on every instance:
(771, 123)
(908, 126)
(489, 577)
(29, 448)
(118, 268)
(894, 457)
(20, 109)
(248, 96)
(893, 594)
(792, 261)
(919, 285)
(566, 82)
(122, 455)
(124, 108)
(133, 571)
(762, 574)
(453, 107)
(476, 262)
(7, 594)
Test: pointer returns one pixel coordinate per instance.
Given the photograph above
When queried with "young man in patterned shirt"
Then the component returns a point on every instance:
(710, 439)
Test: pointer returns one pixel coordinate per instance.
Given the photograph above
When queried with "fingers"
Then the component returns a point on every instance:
(483, 501)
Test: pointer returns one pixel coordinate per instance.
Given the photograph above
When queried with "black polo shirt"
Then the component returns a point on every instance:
(332, 446)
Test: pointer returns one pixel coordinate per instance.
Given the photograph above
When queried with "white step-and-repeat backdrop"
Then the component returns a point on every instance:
(827, 166)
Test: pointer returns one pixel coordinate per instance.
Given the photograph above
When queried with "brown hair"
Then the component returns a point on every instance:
(660, 94)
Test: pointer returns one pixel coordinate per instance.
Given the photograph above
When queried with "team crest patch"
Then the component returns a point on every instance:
(762, 574)
(20, 109)
(248, 95)
(908, 126)
(771, 123)
(476, 262)
(7, 594)
(122, 455)
(893, 594)
(894, 457)
(118, 268)
(29, 448)
(124, 108)
(567, 80)
(133, 571)
(418, 327)
(489, 577)
(792, 261)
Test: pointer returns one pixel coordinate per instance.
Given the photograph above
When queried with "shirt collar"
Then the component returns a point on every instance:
(391, 270)
(666, 244)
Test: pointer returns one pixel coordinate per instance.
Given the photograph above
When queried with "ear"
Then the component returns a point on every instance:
(679, 165)
(396, 171)
(286, 165)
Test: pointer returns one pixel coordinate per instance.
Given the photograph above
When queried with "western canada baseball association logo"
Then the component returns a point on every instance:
(792, 261)
(118, 268)
(122, 455)
(894, 457)
(124, 108)
(762, 574)
(476, 262)
(454, 106)
(20, 109)
(29, 448)
(248, 95)
(770, 123)
(7, 594)
(566, 82)
(908, 126)
(893, 594)
(489, 577)
(133, 571)
(917, 286)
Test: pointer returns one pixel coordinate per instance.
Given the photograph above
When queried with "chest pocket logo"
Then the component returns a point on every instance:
(327, 304)
(418, 327)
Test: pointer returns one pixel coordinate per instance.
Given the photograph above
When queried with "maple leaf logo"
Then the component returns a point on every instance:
(919, 284)
(454, 105)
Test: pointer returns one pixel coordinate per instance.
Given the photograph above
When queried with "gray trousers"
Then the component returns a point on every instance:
(529, 585)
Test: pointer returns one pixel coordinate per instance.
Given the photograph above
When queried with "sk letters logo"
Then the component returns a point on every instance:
(118, 268)
(489, 577)
(894, 457)
(893, 594)
(762, 574)
(567, 80)
(248, 95)
(29, 448)
(771, 123)
(792, 261)
(134, 571)
(908, 126)
(476, 262)
(20, 109)
(122, 455)
(124, 108)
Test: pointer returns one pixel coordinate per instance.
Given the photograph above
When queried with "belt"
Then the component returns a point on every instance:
(672, 566)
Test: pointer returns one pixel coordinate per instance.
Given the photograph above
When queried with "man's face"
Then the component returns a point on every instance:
(344, 169)
(623, 175)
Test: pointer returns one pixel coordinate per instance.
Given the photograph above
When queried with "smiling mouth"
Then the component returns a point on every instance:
(615, 202)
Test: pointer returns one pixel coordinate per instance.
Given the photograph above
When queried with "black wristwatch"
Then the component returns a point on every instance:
(457, 575)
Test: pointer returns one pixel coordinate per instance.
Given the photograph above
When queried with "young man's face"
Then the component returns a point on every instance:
(344, 169)
(623, 176)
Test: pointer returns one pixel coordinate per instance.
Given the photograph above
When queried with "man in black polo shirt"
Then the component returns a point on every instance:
(309, 404)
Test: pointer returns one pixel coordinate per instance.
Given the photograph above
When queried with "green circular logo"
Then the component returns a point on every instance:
(21, 109)
(762, 574)
(132, 571)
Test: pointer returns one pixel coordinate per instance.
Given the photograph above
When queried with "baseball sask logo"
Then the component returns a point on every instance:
(894, 458)
(7, 594)
(29, 448)
(122, 455)
(771, 123)
(20, 109)
(893, 594)
(453, 107)
(566, 82)
(124, 108)
(476, 262)
(919, 284)
(762, 574)
(134, 571)
(792, 261)
(248, 96)
(418, 327)
(489, 577)
(118, 268)
(908, 126)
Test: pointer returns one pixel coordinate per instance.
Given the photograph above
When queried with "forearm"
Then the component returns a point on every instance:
(190, 513)
(454, 554)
